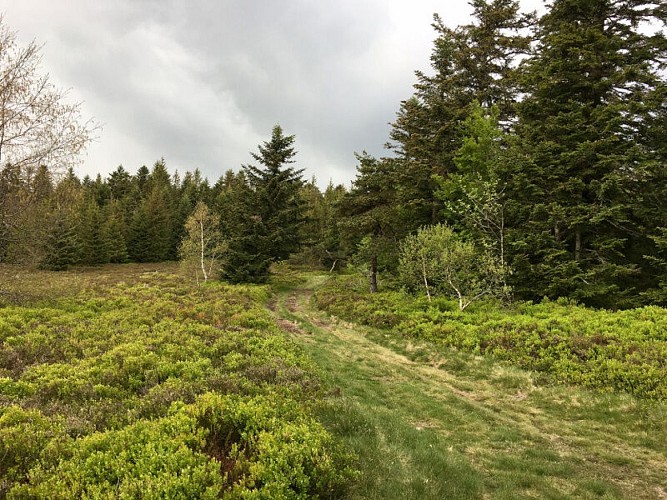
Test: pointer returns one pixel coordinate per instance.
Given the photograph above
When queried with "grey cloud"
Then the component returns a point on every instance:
(202, 82)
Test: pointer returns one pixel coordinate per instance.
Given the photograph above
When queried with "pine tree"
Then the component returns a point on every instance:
(114, 231)
(321, 233)
(276, 189)
(94, 242)
(592, 87)
(152, 228)
(137, 241)
(272, 212)
(120, 183)
(62, 245)
(372, 220)
(473, 63)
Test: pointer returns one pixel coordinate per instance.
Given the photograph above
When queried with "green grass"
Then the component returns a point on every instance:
(428, 421)
(95, 363)
(623, 351)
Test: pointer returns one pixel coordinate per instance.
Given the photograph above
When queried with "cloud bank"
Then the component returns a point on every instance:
(201, 83)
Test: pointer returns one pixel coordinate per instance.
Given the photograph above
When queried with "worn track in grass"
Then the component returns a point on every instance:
(432, 423)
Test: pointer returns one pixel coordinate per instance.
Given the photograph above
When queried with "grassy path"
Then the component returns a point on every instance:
(429, 423)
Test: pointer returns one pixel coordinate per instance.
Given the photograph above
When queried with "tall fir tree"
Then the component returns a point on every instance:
(114, 231)
(61, 249)
(272, 211)
(120, 183)
(475, 62)
(592, 88)
(151, 232)
(372, 220)
(94, 241)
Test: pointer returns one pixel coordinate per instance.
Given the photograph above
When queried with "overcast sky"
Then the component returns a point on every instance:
(201, 83)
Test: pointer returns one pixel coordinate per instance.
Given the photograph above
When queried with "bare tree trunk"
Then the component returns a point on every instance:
(577, 244)
(428, 292)
(201, 235)
(335, 260)
(373, 274)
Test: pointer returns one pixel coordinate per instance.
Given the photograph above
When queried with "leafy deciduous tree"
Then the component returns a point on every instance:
(202, 244)
(437, 259)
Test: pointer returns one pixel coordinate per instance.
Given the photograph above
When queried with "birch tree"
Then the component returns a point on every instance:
(203, 244)
(39, 126)
(440, 261)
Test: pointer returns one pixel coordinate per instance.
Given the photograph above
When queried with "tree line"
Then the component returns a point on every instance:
(540, 140)
(532, 154)
(251, 218)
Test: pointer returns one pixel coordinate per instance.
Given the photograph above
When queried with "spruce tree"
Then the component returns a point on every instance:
(120, 183)
(592, 88)
(472, 63)
(94, 241)
(114, 231)
(152, 228)
(61, 248)
(272, 212)
(276, 199)
(372, 220)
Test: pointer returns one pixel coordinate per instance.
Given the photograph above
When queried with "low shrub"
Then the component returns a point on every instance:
(608, 350)
(153, 387)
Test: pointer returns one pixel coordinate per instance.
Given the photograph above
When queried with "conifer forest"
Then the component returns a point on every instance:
(480, 313)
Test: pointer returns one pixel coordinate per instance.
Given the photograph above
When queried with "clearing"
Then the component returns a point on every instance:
(428, 422)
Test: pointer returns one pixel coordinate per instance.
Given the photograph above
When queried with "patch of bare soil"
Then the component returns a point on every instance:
(290, 326)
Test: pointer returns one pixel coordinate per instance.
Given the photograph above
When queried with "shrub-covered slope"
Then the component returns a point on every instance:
(150, 387)
(609, 350)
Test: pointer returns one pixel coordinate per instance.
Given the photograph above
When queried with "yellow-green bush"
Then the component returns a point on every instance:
(156, 388)
(609, 350)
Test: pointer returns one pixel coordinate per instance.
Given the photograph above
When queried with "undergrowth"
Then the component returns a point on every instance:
(608, 350)
(132, 382)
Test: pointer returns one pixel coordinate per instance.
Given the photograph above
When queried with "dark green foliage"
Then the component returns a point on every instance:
(42, 184)
(474, 62)
(151, 232)
(95, 241)
(137, 241)
(115, 232)
(242, 262)
(592, 88)
(120, 183)
(372, 218)
(275, 188)
(61, 249)
(547, 148)
(322, 238)
(268, 218)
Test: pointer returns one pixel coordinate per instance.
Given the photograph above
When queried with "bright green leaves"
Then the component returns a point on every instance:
(121, 395)
(440, 261)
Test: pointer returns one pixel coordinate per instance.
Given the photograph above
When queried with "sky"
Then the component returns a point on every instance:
(202, 83)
